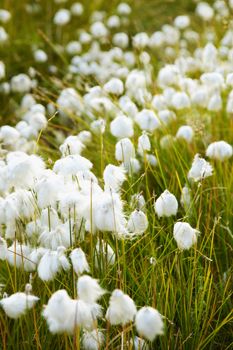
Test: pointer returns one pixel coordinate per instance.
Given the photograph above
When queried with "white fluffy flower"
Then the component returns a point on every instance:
(89, 290)
(98, 30)
(92, 340)
(200, 169)
(124, 150)
(107, 214)
(3, 249)
(121, 40)
(151, 159)
(219, 150)
(98, 126)
(185, 235)
(166, 204)
(73, 48)
(17, 304)
(137, 223)
(139, 344)
(21, 83)
(2, 70)
(51, 263)
(9, 135)
(121, 310)
(123, 9)
(35, 119)
(140, 40)
(69, 101)
(186, 133)
(166, 116)
(60, 312)
(62, 17)
(215, 103)
(182, 22)
(185, 198)
(71, 145)
(149, 323)
(122, 127)
(47, 189)
(23, 169)
(17, 254)
(3, 35)
(143, 143)
(59, 236)
(180, 100)
(205, 11)
(114, 86)
(64, 314)
(114, 176)
(40, 56)
(5, 16)
(77, 9)
(71, 165)
(79, 261)
(147, 120)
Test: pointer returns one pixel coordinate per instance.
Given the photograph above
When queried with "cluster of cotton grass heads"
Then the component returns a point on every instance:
(62, 220)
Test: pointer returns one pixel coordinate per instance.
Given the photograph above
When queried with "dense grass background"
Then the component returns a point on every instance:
(192, 289)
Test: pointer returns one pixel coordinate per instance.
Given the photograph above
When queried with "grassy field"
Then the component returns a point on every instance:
(191, 288)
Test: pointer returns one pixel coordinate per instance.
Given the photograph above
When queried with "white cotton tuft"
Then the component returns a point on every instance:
(122, 127)
(54, 237)
(23, 169)
(149, 323)
(139, 343)
(219, 150)
(3, 249)
(71, 145)
(47, 189)
(17, 304)
(185, 198)
(107, 214)
(166, 204)
(79, 261)
(143, 143)
(200, 169)
(77, 9)
(147, 120)
(121, 40)
(137, 223)
(180, 100)
(114, 176)
(114, 86)
(51, 263)
(21, 83)
(205, 11)
(124, 150)
(182, 22)
(40, 56)
(121, 310)
(89, 290)
(9, 135)
(185, 132)
(185, 235)
(60, 313)
(62, 17)
(17, 254)
(140, 40)
(64, 314)
(92, 340)
(71, 165)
